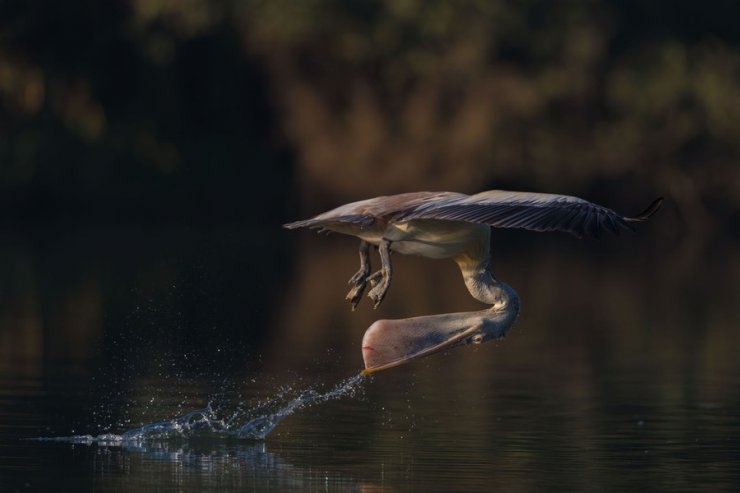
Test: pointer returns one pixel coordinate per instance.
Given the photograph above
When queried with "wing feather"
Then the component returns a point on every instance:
(363, 214)
(526, 210)
(360, 220)
(497, 208)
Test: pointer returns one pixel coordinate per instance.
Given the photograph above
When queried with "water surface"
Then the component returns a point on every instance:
(621, 372)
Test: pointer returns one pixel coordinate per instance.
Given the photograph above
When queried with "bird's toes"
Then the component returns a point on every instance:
(377, 294)
(376, 301)
(355, 295)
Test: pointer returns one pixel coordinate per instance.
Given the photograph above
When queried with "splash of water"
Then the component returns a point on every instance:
(207, 422)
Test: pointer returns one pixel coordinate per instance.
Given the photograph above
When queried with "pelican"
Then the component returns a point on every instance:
(457, 226)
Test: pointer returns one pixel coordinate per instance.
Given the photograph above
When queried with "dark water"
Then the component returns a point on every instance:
(621, 373)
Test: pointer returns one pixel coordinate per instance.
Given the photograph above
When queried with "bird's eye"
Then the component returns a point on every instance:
(477, 338)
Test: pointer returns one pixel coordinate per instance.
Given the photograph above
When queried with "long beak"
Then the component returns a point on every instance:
(390, 343)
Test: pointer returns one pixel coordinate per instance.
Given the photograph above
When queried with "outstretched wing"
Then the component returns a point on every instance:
(527, 210)
(364, 213)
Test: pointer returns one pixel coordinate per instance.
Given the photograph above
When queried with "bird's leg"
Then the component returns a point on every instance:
(359, 280)
(361, 275)
(375, 277)
(381, 280)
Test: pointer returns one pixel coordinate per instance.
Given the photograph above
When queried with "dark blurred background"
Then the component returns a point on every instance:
(150, 150)
(210, 112)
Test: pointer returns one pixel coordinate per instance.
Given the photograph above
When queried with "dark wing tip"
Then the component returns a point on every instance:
(297, 224)
(645, 215)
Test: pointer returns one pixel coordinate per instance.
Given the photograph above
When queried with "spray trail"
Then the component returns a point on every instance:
(207, 422)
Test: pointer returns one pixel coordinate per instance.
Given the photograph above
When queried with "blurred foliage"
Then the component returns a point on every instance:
(120, 111)
(176, 103)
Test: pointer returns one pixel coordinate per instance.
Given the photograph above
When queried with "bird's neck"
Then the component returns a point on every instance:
(483, 286)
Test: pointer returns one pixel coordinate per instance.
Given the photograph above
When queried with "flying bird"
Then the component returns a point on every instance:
(458, 226)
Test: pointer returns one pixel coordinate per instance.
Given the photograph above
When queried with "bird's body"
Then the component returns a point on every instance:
(458, 226)
(429, 238)
(374, 220)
